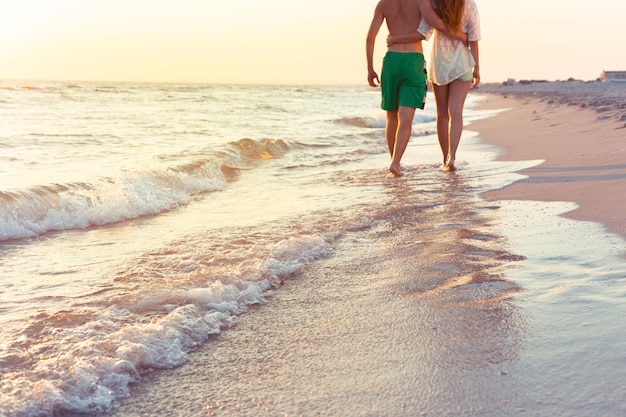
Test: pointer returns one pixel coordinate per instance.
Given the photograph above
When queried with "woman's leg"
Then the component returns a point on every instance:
(443, 119)
(457, 92)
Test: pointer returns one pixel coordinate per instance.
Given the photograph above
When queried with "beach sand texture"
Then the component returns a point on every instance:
(579, 130)
(532, 327)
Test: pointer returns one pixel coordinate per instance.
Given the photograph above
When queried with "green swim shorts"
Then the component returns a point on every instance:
(403, 80)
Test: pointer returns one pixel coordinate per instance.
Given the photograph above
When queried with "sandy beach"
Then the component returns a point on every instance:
(579, 129)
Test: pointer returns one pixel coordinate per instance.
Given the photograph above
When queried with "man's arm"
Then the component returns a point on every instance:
(433, 19)
(377, 22)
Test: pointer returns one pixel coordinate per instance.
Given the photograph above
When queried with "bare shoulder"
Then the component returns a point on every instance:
(384, 5)
(397, 6)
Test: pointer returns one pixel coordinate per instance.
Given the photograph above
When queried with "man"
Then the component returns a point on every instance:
(403, 76)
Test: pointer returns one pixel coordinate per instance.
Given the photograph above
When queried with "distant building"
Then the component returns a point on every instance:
(613, 76)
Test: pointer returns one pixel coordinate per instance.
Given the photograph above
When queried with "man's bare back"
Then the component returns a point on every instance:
(402, 16)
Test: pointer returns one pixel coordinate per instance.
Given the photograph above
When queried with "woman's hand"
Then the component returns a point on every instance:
(476, 77)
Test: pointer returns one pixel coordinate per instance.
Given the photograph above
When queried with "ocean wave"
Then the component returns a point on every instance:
(141, 191)
(264, 149)
(424, 117)
(360, 121)
(423, 132)
(369, 122)
(130, 195)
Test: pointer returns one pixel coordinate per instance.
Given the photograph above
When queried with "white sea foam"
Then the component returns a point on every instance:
(128, 196)
(88, 367)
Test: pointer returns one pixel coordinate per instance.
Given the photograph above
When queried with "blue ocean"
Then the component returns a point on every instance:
(147, 229)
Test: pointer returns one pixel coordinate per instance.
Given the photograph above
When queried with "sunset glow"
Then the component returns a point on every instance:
(280, 41)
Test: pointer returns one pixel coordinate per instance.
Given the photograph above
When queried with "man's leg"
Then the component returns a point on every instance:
(391, 130)
(405, 127)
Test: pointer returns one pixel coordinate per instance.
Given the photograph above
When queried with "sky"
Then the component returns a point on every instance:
(286, 41)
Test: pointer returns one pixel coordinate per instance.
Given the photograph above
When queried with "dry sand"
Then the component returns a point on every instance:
(579, 129)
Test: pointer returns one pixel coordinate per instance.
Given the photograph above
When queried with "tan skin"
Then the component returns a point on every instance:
(401, 16)
(450, 99)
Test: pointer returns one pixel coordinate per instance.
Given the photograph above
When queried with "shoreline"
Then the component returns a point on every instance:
(578, 130)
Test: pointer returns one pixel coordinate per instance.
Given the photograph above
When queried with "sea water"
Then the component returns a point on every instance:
(137, 221)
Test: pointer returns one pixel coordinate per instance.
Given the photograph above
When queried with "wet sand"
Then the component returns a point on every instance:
(578, 129)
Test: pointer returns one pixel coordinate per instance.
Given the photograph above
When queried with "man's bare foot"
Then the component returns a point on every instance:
(449, 166)
(395, 171)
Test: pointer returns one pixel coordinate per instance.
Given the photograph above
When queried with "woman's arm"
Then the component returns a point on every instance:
(474, 49)
(417, 36)
(406, 38)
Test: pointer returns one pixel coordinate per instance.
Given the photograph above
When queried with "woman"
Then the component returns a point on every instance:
(454, 69)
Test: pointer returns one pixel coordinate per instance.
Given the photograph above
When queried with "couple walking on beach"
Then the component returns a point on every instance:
(453, 70)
